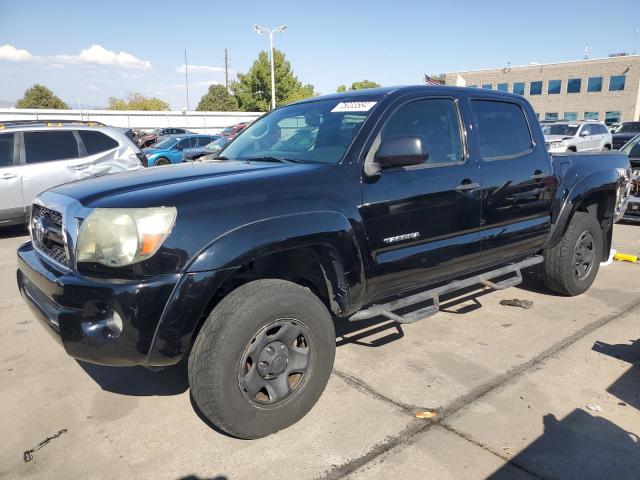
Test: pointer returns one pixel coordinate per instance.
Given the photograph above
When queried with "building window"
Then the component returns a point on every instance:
(571, 116)
(487, 86)
(594, 84)
(554, 87)
(612, 117)
(503, 87)
(518, 88)
(551, 116)
(535, 88)
(591, 115)
(574, 85)
(616, 83)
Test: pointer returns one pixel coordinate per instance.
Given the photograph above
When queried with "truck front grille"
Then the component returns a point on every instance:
(47, 234)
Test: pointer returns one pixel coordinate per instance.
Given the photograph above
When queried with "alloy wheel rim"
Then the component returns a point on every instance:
(584, 255)
(275, 363)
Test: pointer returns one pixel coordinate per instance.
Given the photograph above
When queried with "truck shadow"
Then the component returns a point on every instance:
(139, 381)
(627, 386)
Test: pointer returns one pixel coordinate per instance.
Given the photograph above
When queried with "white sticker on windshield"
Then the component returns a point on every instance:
(353, 106)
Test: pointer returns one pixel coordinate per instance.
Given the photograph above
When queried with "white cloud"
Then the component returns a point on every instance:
(98, 55)
(13, 54)
(201, 69)
(91, 87)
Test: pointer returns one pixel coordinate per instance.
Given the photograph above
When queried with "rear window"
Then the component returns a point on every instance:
(50, 145)
(502, 129)
(96, 142)
(6, 150)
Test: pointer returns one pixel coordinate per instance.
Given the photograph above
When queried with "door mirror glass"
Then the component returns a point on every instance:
(402, 151)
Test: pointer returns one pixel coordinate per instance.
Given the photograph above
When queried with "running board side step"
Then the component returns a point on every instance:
(387, 309)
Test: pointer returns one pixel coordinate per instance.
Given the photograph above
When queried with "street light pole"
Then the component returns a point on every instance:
(260, 30)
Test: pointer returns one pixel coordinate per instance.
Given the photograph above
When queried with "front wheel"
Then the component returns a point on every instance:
(571, 266)
(162, 162)
(262, 358)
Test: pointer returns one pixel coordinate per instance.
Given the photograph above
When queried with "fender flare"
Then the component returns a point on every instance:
(569, 199)
(341, 261)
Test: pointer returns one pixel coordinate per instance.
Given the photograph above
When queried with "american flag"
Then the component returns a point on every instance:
(430, 81)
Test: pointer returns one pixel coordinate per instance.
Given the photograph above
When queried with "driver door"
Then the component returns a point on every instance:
(422, 221)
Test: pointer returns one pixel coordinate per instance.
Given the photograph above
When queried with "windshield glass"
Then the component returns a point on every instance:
(315, 132)
(629, 127)
(217, 144)
(166, 143)
(560, 129)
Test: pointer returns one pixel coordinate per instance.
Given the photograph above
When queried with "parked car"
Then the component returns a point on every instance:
(626, 132)
(404, 194)
(632, 150)
(37, 155)
(158, 133)
(232, 131)
(211, 148)
(577, 137)
(170, 148)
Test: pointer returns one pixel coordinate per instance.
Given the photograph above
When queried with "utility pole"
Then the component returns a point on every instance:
(186, 78)
(226, 69)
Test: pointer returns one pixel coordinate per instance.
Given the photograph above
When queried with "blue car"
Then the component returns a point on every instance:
(171, 149)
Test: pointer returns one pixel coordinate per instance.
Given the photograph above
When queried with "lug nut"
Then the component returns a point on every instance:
(270, 350)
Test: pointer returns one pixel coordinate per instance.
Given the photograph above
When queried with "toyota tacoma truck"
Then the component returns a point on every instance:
(370, 203)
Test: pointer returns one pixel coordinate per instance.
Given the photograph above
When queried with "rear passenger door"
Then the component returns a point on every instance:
(49, 158)
(517, 179)
(11, 202)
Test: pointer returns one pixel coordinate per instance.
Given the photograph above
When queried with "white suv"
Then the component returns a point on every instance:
(36, 156)
(577, 137)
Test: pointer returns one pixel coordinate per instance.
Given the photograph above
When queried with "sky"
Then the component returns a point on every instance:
(87, 52)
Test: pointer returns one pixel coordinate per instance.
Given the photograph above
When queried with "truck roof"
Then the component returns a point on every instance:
(403, 89)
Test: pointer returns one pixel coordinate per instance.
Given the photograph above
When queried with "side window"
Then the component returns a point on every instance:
(50, 145)
(436, 121)
(182, 144)
(502, 129)
(6, 150)
(96, 142)
(202, 141)
(586, 130)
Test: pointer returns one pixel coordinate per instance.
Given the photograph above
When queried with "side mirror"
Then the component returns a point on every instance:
(402, 151)
(584, 133)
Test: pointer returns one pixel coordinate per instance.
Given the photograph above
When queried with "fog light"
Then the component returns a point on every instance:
(114, 324)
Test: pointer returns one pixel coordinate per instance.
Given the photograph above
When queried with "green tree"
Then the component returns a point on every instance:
(218, 99)
(358, 86)
(137, 101)
(253, 89)
(40, 96)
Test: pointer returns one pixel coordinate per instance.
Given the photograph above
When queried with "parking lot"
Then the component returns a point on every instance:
(550, 392)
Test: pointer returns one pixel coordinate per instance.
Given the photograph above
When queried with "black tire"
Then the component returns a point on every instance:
(161, 162)
(565, 265)
(219, 364)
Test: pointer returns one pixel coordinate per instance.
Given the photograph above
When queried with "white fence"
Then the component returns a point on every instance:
(199, 122)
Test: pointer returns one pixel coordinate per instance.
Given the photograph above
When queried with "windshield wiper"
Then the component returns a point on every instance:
(268, 158)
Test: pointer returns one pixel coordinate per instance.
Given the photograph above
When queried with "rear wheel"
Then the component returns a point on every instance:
(162, 161)
(571, 266)
(262, 358)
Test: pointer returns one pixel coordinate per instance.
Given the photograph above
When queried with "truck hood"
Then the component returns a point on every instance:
(556, 138)
(158, 185)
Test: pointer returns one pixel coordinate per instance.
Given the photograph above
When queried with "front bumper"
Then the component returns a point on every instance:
(563, 149)
(76, 310)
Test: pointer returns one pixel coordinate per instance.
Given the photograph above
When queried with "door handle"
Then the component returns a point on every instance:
(467, 186)
(8, 176)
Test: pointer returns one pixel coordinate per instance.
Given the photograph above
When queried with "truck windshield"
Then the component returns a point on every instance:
(560, 129)
(316, 132)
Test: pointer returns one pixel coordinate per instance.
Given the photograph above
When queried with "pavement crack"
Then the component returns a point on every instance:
(407, 435)
(363, 387)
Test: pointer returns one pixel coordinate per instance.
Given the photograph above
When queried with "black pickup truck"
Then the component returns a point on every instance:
(356, 205)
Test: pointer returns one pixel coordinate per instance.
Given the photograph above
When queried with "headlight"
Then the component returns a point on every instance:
(116, 237)
(557, 144)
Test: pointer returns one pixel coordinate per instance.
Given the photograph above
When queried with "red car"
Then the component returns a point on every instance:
(232, 131)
